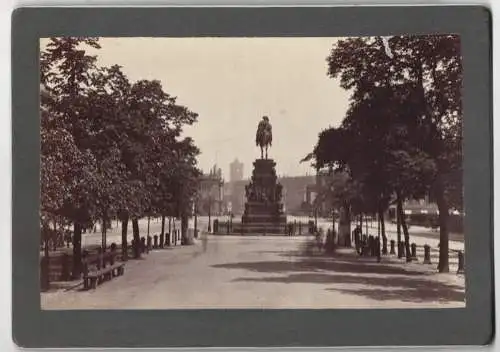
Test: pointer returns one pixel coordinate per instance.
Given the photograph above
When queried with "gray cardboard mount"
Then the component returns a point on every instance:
(472, 325)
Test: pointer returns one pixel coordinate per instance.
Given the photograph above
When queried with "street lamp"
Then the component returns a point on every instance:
(378, 237)
(333, 221)
(219, 195)
(209, 213)
(315, 217)
(195, 211)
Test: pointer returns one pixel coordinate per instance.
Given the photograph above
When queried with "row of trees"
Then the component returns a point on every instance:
(402, 135)
(110, 148)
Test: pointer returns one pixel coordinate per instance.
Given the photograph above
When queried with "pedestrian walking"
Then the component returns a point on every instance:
(357, 238)
(204, 241)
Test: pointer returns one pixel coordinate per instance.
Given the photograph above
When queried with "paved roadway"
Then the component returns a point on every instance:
(264, 272)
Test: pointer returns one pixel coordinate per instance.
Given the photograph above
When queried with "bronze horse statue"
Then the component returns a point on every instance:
(264, 137)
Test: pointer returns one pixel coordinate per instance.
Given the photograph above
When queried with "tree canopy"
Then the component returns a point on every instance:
(402, 133)
(109, 146)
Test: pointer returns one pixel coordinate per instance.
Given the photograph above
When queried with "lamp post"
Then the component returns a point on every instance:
(209, 213)
(333, 221)
(219, 195)
(315, 218)
(378, 236)
(195, 210)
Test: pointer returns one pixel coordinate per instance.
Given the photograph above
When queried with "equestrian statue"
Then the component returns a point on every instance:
(264, 137)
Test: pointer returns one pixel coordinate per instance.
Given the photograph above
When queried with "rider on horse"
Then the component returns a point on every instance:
(264, 135)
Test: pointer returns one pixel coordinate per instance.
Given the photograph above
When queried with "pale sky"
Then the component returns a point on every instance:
(232, 82)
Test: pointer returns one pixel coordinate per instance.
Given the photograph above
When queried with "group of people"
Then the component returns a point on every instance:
(364, 243)
(327, 242)
(358, 238)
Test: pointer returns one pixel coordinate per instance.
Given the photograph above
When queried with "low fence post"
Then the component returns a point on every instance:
(427, 254)
(461, 263)
(393, 249)
(414, 252)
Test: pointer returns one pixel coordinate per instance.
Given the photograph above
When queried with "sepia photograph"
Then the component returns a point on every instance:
(251, 173)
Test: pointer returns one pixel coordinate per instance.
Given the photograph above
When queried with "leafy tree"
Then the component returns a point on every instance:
(433, 64)
(419, 78)
(66, 74)
(110, 148)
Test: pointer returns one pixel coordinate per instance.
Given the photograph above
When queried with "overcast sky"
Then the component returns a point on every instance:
(232, 82)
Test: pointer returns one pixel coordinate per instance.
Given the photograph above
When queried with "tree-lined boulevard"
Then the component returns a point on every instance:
(265, 272)
(119, 178)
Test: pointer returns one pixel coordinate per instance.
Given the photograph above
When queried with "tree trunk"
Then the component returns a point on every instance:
(366, 223)
(137, 239)
(196, 220)
(103, 234)
(185, 240)
(170, 225)
(348, 224)
(162, 224)
(77, 250)
(124, 237)
(54, 237)
(315, 219)
(382, 231)
(361, 222)
(333, 221)
(378, 224)
(443, 208)
(149, 219)
(405, 228)
(398, 228)
(344, 235)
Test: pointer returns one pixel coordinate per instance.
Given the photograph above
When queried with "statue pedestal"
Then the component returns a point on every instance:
(264, 208)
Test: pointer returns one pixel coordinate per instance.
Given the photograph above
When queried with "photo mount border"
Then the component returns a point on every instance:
(36, 328)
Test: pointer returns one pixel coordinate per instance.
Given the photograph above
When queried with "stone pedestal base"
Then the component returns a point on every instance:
(264, 209)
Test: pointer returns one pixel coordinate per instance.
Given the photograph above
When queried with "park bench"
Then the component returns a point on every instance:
(95, 270)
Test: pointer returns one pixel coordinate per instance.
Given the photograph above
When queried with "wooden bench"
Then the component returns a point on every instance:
(95, 270)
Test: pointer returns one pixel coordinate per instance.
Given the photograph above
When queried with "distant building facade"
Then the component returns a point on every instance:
(234, 196)
(234, 190)
(210, 195)
(314, 188)
(236, 171)
(295, 192)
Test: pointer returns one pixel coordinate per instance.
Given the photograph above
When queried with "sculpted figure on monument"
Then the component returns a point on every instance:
(264, 136)
(279, 188)
(264, 197)
(247, 191)
(250, 192)
(259, 193)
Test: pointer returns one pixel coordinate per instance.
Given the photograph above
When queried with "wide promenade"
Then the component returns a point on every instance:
(266, 272)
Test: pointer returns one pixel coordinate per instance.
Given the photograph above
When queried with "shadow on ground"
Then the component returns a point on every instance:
(381, 282)
(396, 288)
(281, 266)
(430, 292)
